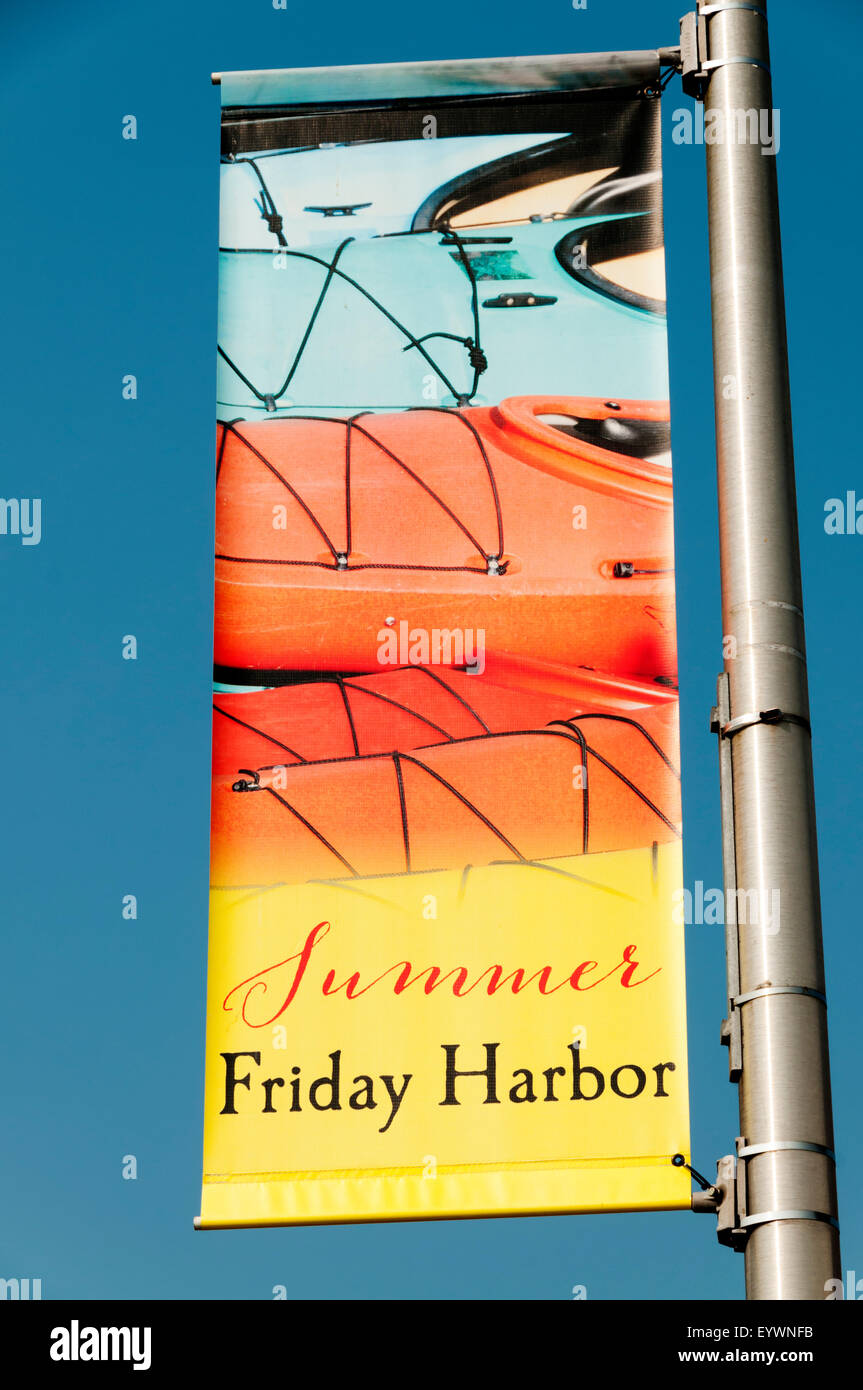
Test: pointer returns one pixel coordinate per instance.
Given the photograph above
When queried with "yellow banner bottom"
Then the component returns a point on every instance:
(507, 1040)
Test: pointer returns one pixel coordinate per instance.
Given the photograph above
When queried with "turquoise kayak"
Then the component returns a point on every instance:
(293, 197)
(430, 318)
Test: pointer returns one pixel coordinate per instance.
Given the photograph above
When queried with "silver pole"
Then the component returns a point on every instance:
(785, 1079)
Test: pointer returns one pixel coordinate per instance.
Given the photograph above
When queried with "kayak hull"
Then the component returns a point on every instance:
(347, 326)
(403, 709)
(443, 537)
(584, 785)
(367, 189)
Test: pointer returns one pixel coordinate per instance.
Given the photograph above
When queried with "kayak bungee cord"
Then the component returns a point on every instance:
(495, 563)
(573, 734)
(347, 886)
(344, 685)
(571, 725)
(585, 805)
(349, 712)
(396, 758)
(518, 864)
(499, 177)
(297, 498)
(226, 424)
(469, 521)
(476, 356)
(269, 398)
(623, 719)
(267, 204)
(269, 211)
(474, 810)
(404, 811)
(317, 834)
(261, 734)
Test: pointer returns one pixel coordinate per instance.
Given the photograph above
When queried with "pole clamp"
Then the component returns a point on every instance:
(732, 5)
(713, 63)
(731, 1209)
(779, 989)
(733, 1221)
(760, 1218)
(695, 63)
(782, 1146)
(764, 716)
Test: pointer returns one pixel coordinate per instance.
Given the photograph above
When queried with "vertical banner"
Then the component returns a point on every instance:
(445, 972)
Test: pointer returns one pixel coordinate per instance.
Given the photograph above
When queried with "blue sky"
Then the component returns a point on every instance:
(110, 249)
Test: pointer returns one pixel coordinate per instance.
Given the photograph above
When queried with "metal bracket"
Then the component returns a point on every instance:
(708, 1197)
(732, 5)
(727, 62)
(730, 1035)
(782, 1145)
(733, 1221)
(721, 723)
(764, 716)
(761, 1217)
(779, 989)
(693, 54)
(731, 1212)
(696, 65)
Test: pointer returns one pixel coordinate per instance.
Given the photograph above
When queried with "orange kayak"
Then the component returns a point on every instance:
(398, 710)
(593, 782)
(543, 524)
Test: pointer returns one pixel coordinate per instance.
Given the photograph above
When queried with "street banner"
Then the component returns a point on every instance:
(446, 972)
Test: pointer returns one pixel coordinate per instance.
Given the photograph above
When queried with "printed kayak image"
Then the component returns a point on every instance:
(445, 750)
(442, 317)
(290, 197)
(331, 534)
(579, 785)
(409, 707)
